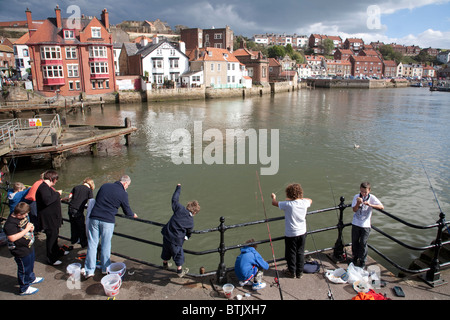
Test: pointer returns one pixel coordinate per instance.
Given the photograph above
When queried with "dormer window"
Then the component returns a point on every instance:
(69, 34)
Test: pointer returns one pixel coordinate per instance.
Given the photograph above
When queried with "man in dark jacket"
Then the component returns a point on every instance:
(177, 230)
(109, 198)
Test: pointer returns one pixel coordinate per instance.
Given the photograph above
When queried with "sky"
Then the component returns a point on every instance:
(425, 23)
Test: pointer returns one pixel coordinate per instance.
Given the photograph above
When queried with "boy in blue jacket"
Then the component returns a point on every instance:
(177, 230)
(247, 267)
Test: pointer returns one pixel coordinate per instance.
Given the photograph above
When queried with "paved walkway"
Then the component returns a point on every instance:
(143, 282)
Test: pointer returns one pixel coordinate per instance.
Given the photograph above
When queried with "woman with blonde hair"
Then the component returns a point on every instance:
(79, 197)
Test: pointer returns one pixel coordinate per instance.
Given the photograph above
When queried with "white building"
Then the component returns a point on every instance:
(162, 61)
(443, 57)
(192, 79)
(22, 55)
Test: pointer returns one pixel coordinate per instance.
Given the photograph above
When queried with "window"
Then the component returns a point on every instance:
(212, 66)
(78, 85)
(93, 84)
(96, 32)
(157, 63)
(72, 70)
(50, 53)
(97, 52)
(25, 52)
(173, 63)
(99, 67)
(69, 34)
(217, 36)
(71, 52)
(172, 52)
(107, 84)
(71, 85)
(52, 72)
(100, 84)
(157, 78)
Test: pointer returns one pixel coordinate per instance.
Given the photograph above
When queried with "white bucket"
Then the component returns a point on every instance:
(74, 270)
(111, 284)
(117, 268)
(228, 290)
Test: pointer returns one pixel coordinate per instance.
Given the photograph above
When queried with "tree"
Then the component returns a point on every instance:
(276, 51)
(328, 46)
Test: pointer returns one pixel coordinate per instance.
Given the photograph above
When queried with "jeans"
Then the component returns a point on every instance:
(98, 231)
(25, 273)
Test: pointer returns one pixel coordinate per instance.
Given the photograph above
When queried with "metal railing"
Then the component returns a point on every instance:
(16, 131)
(432, 272)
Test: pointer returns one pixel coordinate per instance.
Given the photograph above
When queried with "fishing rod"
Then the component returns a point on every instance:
(277, 278)
(434, 193)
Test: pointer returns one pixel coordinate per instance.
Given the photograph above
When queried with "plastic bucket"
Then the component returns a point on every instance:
(74, 270)
(111, 284)
(117, 268)
(228, 290)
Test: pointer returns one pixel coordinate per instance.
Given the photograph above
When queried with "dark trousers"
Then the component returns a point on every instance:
(360, 237)
(53, 252)
(25, 273)
(77, 228)
(295, 253)
(170, 250)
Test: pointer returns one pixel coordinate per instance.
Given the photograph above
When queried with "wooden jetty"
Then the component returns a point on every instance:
(57, 139)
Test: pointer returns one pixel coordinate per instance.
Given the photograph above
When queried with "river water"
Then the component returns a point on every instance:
(397, 130)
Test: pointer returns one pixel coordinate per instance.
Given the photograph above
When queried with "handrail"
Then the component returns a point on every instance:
(432, 272)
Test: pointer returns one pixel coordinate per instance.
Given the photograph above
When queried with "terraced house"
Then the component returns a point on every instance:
(70, 56)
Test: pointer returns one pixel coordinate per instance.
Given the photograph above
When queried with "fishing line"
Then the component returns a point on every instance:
(277, 279)
(434, 193)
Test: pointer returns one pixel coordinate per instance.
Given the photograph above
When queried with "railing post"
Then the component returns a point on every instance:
(221, 271)
(432, 277)
(338, 252)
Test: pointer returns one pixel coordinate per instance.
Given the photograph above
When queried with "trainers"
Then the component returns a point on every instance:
(244, 283)
(182, 272)
(29, 291)
(299, 275)
(259, 286)
(167, 265)
(37, 280)
(57, 263)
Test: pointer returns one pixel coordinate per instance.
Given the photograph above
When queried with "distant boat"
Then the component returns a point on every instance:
(418, 84)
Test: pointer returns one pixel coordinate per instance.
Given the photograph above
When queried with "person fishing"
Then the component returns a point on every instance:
(177, 230)
(362, 205)
(248, 266)
(295, 209)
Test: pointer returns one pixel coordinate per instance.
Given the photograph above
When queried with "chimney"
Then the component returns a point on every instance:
(182, 46)
(144, 41)
(31, 29)
(105, 18)
(58, 17)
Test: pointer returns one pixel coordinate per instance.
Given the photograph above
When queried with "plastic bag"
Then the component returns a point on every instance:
(356, 273)
(337, 276)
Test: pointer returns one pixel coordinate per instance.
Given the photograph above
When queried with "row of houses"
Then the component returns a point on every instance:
(364, 64)
(316, 41)
(68, 59)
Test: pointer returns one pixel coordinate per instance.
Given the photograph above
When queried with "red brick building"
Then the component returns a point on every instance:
(71, 56)
(201, 38)
(368, 66)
